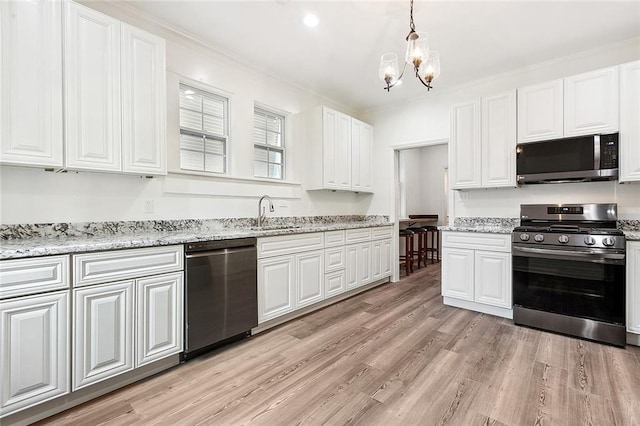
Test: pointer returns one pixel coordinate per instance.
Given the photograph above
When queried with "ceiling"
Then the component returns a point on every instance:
(339, 58)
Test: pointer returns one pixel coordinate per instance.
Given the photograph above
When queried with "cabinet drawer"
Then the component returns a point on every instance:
(93, 268)
(288, 244)
(477, 240)
(334, 238)
(381, 232)
(334, 259)
(358, 235)
(34, 275)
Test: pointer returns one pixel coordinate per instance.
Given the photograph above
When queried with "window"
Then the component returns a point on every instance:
(204, 130)
(268, 144)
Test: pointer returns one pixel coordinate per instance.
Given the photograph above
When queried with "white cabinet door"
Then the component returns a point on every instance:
(629, 122)
(334, 259)
(34, 355)
(309, 278)
(464, 146)
(103, 336)
(92, 89)
(458, 273)
(364, 264)
(591, 102)
(352, 265)
(31, 83)
(361, 151)
(276, 287)
(335, 283)
(493, 278)
(159, 317)
(540, 111)
(499, 140)
(380, 259)
(633, 286)
(144, 126)
(336, 131)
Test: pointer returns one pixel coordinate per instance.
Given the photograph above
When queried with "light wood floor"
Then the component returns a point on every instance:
(392, 356)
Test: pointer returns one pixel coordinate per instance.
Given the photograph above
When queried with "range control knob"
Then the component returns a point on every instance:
(608, 241)
(539, 238)
(524, 237)
(589, 240)
(564, 239)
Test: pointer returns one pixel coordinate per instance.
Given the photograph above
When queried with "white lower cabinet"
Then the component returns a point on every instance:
(309, 278)
(476, 272)
(136, 320)
(159, 316)
(34, 355)
(294, 273)
(458, 272)
(275, 287)
(286, 283)
(493, 278)
(103, 337)
(633, 290)
(335, 283)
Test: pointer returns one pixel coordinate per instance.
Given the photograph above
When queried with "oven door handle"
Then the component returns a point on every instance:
(594, 257)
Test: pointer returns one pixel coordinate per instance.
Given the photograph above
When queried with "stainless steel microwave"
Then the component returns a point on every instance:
(578, 159)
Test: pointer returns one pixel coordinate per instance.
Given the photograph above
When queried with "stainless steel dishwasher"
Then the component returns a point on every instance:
(221, 294)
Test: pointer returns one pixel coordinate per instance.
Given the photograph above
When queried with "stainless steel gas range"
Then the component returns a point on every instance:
(569, 271)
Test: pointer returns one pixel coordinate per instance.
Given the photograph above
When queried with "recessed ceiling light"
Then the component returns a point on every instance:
(310, 20)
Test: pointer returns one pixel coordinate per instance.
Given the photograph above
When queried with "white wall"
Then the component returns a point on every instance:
(35, 196)
(423, 172)
(426, 118)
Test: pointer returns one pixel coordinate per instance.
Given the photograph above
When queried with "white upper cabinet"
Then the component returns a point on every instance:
(464, 146)
(340, 151)
(336, 144)
(540, 111)
(361, 150)
(93, 126)
(582, 104)
(499, 140)
(31, 83)
(591, 103)
(629, 122)
(143, 102)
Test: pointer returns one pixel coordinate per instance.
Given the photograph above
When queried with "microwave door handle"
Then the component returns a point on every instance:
(570, 255)
(596, 152)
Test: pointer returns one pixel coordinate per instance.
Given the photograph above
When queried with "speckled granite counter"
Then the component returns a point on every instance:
(495, 225)
(490, 225)
(50, 239)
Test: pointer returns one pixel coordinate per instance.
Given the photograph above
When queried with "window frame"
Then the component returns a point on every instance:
(267, 111)
(218, 94)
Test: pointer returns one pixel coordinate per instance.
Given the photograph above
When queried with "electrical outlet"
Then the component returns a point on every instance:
(148, 206)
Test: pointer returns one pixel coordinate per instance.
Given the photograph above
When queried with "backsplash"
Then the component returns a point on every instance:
(84, 229)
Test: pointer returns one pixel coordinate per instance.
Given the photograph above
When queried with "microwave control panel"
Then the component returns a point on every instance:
(609, 151)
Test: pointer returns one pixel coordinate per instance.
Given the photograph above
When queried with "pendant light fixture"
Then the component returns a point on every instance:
(425, 62)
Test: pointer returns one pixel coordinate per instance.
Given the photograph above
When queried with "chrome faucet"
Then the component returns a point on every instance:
(262, 214)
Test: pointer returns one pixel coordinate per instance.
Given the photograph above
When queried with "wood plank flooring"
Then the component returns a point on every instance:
(392, 356)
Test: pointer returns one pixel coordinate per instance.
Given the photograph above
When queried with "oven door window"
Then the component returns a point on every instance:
(570, 287)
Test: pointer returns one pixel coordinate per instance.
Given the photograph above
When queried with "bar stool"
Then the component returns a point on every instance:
(433, 234)
(421, 235)
(407, 258)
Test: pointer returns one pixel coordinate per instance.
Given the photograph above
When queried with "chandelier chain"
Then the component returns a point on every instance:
(411, 24)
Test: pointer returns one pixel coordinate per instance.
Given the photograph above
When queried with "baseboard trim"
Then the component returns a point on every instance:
(478, 307)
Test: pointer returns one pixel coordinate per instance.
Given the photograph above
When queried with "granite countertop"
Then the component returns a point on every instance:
(69, 242)
(489, 225)
(632, 235)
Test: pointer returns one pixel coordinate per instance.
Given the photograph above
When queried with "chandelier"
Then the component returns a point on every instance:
(425, 62)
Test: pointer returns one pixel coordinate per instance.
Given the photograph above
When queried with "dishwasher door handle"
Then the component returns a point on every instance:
(220, 252)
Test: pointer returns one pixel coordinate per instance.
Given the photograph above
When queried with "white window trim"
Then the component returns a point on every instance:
(228, 138)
